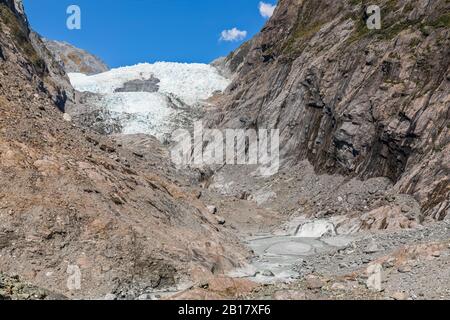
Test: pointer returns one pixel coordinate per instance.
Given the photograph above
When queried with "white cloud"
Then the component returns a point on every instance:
(233, 35)
(266, 9)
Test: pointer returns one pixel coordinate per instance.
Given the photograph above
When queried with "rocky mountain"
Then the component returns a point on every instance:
(74, 59)
(69, 197)
(230, 64)
(353, 101)
(364, 123)
(363, 184)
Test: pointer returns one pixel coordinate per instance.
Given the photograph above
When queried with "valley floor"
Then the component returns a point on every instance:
(318, 237)
(312, 237)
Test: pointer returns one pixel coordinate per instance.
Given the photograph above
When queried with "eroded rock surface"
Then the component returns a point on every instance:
(350, 100)
(73, 59)
(364, 125)
(71, 197)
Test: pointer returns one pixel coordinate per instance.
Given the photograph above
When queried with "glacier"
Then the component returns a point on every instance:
(181, 92)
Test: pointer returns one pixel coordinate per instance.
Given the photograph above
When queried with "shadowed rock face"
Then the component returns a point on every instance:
(30, 46)
(71, 197)
(17, 7)
(74, 59)
(350, 100)
(231, 64)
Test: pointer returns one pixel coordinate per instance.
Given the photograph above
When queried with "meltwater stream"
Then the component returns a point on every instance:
(276, 255)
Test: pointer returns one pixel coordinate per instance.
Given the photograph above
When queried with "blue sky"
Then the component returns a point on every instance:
(132, 31)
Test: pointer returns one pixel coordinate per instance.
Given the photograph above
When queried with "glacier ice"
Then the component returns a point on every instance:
(315, 229)
(153, 113)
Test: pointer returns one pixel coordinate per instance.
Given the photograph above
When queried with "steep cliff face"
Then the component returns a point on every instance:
(27, 48)
(71, 197)
(74, 59)
(232, 64)
(351, 100)
(16, 6)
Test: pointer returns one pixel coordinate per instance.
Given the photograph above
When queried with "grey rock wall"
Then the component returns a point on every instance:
(350, 100)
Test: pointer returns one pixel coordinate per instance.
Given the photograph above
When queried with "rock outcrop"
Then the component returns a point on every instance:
(12, 288)
(69, 197)
(231, 65)
(74, 59)
(29, 46)
(354, 101)
(138, 85)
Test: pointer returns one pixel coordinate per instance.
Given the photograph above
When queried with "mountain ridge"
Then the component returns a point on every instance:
(74, 59)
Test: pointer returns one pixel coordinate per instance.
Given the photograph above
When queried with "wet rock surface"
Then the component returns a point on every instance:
(413, 265)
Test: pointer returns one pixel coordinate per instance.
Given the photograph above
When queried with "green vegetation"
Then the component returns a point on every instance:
(301, 33)
(395, 55)
(441, 22)
(355, 2)
(408, 8)
(438, 149)
(415, 42)
(361, 29)
(19, 32)
(395, 29)
(309, 22)
(391, 25)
